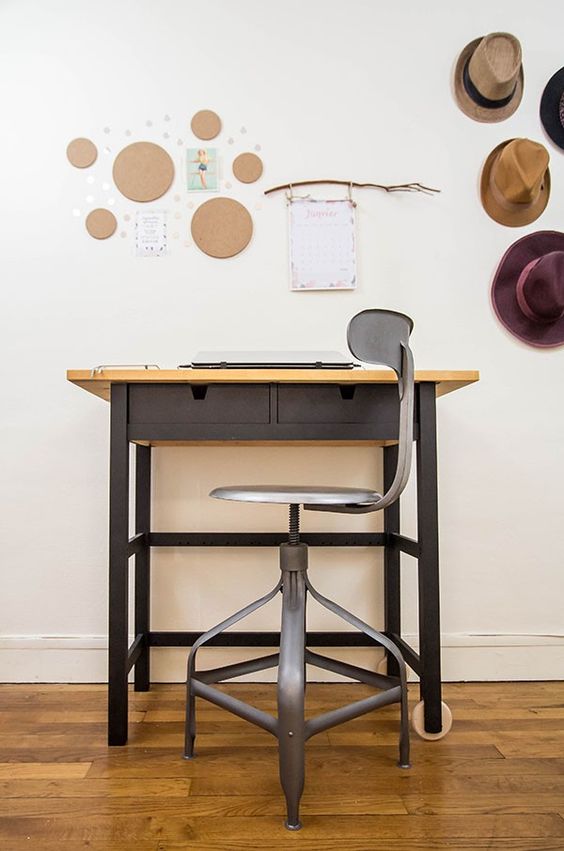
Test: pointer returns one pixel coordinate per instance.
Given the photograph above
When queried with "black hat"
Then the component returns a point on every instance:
(552, 108)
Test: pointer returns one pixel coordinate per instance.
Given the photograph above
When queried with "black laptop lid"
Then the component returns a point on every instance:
(271, 360)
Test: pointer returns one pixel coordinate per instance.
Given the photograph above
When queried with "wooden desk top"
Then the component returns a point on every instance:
(446, 380)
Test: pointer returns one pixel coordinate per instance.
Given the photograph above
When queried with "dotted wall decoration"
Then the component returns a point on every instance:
(222, 227)
(143, 171)
(247, 167)
(81, 153)
(206, 124)
(101, 223)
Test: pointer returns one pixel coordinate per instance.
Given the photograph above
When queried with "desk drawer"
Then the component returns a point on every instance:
(198, 403)
(334, 403)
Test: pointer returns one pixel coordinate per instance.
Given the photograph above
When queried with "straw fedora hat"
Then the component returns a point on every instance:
(528, 289)
(488, 77)
(515, 182)
(552, 108)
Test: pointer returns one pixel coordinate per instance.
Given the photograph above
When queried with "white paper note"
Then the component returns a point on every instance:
(150, 233)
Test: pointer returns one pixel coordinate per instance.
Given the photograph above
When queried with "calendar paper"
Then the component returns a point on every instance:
(322, 245)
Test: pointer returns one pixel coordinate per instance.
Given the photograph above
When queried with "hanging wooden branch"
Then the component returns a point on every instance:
(398, 187)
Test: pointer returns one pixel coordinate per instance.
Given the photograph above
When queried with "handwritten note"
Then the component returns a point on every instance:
(322, 245)
(150, 233)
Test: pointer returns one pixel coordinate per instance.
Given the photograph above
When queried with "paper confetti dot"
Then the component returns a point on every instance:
(90, 178)
(105, 186)
(111, 202)
(127, 217)
(148, 123)
(258, 148)
(230, 141)
(243, 130)
(177, 198)
(128, 132)
(90, 198)
(167, 118)
(76, 212)
(179, 142)
(123, 234)
(107, 130)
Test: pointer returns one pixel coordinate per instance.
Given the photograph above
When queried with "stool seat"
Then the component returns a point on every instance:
(297, 495)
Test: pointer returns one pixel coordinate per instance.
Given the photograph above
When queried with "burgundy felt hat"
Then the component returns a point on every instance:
(528, 289)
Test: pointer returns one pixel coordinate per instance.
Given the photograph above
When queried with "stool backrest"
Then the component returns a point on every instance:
(382, 337)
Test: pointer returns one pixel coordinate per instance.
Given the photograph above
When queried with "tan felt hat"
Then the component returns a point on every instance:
(515, 182)
(488, 78)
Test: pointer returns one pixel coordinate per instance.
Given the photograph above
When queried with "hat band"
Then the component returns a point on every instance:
(479, 98)
(520, 294)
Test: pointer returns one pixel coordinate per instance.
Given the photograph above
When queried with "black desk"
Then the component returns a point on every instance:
(160, 407)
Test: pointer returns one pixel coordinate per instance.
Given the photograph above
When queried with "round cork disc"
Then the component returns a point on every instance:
(81, 153)
(101, 223)
(206, 124)
(143, 171)
(222, 227)
(247, 167)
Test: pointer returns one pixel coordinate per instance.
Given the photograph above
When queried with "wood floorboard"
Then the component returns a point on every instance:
(495, 782)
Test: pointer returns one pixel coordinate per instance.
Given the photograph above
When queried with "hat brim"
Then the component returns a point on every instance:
(468, 106)
(550, 108)
(504, 286)
(497, 211)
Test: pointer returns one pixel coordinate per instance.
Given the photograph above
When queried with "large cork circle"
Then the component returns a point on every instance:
(101, 223)
(81, 153)
(143, 171)
(222, 227)
(247, 167)
(206, 124)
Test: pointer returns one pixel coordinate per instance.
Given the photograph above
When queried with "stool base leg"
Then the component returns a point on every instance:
(291, 693)
(190, 724)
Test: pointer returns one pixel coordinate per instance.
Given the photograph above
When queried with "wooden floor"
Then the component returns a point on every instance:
(496, 781)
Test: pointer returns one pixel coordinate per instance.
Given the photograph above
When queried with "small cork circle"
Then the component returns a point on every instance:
(222, 227)
(247, 167)
(101, 223)
(206, 124)
(143, 171)
(81, 153)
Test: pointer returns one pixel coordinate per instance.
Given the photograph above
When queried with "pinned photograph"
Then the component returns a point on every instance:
(202, 169)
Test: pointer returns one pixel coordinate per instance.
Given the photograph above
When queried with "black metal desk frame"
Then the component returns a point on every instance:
(281, 412)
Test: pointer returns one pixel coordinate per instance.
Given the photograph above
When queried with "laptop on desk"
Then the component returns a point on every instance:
(270, 360)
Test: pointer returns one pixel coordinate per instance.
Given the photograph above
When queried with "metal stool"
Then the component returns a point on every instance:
(378, 337)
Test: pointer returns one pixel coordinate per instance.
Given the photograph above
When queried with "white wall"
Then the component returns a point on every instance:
(352, 90)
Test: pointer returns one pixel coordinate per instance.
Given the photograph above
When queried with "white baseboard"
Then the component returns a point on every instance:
(83, 659)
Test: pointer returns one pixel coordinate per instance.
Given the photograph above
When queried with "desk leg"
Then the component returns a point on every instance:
(142, 680)
(118, 592)
(392, 590)
(428, 567)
